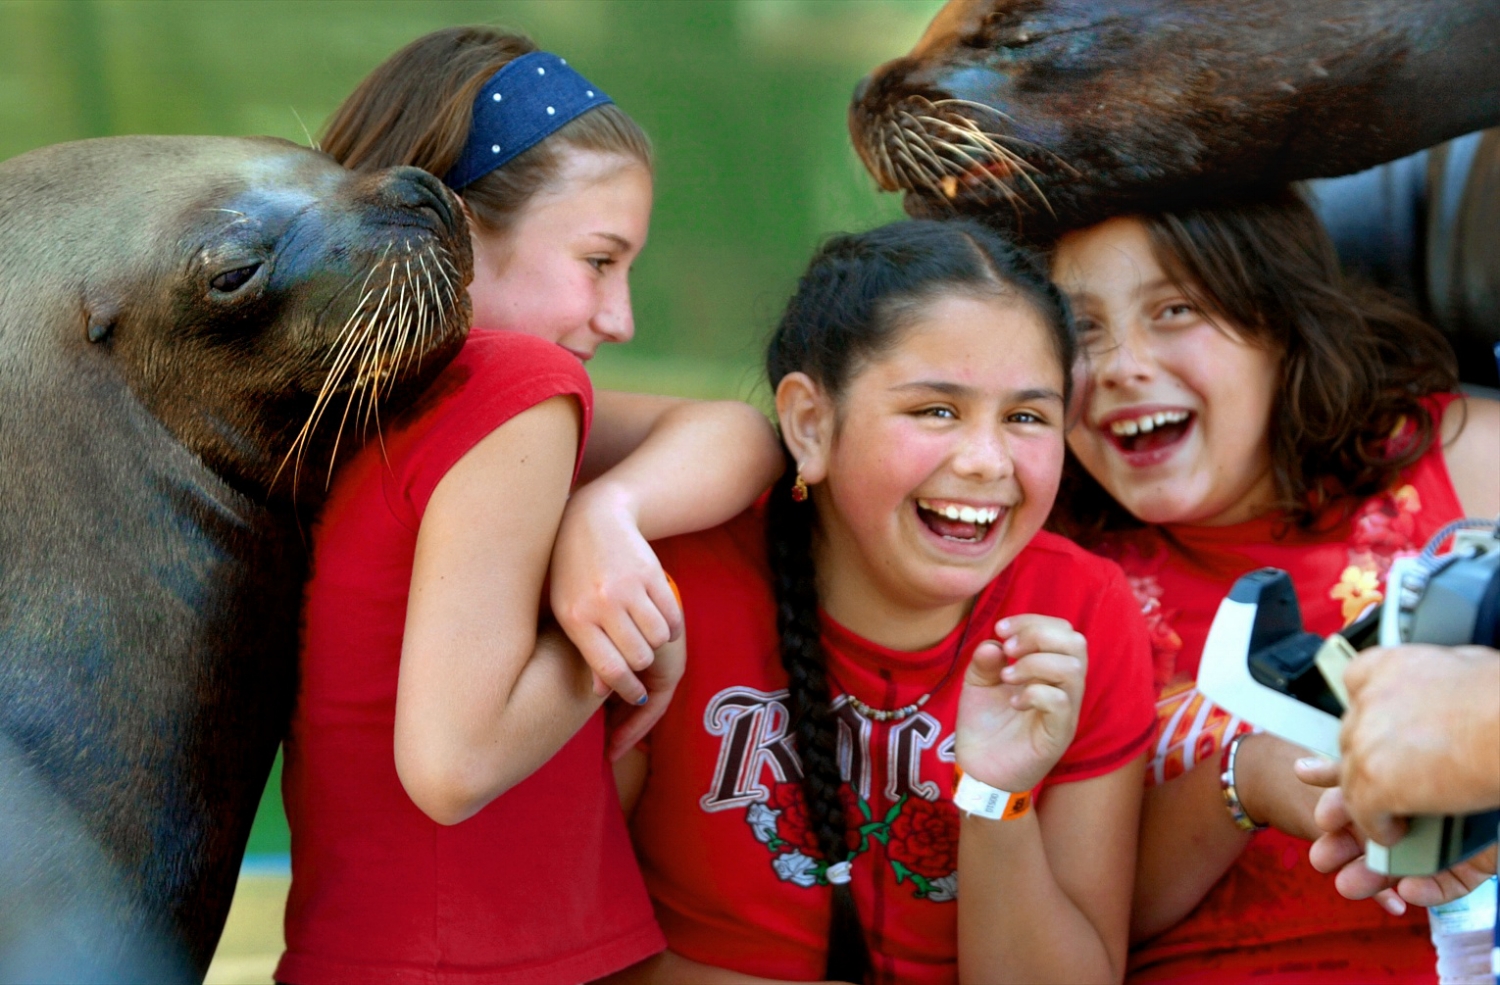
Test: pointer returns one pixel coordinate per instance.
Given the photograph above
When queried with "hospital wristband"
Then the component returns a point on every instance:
(982, 800)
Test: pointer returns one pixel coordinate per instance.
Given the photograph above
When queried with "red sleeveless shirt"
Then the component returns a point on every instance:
(540, 885)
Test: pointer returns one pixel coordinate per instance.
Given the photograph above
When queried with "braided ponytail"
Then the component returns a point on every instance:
(789, 532)
(852, 303)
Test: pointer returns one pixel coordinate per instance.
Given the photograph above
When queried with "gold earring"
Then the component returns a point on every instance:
(799, 489)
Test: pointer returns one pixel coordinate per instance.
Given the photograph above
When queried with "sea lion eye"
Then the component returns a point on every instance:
(232, 280)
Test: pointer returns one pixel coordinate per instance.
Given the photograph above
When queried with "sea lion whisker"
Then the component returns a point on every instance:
(350, 326)
(921, 149)
(356, 390)
(917, 172)
(431, 319)
(418, 340)
(403, 336)
(984, 140)
(890, 169)
(335, 375)
(980, 165)
(972, 105)
(349, 343)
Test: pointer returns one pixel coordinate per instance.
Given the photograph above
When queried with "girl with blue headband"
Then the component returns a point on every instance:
(452, 810)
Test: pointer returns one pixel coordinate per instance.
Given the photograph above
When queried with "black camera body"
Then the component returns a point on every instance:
(1260, 664)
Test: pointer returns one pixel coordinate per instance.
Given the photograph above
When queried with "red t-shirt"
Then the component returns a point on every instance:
(538, 886)
(720, 827)
(1272, 917)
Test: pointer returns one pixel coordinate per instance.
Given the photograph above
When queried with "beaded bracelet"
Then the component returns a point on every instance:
(1232, 803)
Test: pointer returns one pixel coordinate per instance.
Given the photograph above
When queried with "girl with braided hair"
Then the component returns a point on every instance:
(889, 661)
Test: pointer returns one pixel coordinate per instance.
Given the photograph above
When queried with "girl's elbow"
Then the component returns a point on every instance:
(445, 792)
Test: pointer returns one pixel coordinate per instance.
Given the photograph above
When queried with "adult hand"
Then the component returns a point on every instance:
(628, 724)
(1421, 736)
(1015, 721)
(1341, 850)
(610, 595)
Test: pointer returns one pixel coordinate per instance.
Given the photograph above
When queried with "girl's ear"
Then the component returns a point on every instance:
(807, 424)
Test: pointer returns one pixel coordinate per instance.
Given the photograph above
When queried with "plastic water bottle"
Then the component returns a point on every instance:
(1463, 932)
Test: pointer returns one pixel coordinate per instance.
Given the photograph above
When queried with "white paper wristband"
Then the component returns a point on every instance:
(979, 798)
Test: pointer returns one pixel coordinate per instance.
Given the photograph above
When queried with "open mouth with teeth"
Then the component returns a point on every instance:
(1144, 434)
(959, 522)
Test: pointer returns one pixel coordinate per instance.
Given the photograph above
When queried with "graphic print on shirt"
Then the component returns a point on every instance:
(1384, 528)
(758, 771)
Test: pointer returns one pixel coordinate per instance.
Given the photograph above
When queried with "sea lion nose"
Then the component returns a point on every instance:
(861, 89)
(415, 189)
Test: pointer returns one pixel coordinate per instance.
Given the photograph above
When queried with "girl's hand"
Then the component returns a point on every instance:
(610, 595)
(628, 724)
(1015, 721)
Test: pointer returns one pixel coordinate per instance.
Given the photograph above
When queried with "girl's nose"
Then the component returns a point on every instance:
(615, 320)
(984, 456)
(1125, 359)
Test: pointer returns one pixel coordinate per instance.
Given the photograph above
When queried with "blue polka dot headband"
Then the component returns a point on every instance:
(519, 107)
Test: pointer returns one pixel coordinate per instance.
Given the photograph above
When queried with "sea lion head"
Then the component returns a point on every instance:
(256, 298)
(1047, 114)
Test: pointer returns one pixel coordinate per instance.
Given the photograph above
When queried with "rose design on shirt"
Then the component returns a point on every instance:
(793, 830)
(922, 842)
(799, 869)
(782, 825)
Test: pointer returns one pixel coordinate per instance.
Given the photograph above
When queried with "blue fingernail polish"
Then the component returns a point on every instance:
(643, 699)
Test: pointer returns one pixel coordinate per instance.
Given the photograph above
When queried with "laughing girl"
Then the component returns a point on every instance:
(890, 620)
(1244, 407)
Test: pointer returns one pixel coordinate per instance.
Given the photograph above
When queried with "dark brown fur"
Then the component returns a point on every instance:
(1134, 105)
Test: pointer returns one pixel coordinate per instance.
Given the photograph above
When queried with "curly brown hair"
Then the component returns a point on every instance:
(1355, 363)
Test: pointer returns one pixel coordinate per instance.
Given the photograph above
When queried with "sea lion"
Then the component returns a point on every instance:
(188, 328)
(1045, 115)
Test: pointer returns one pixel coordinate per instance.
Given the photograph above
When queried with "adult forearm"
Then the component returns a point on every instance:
(702, 464)
(1015, 923)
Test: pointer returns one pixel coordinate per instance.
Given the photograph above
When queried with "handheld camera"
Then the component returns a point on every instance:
(1259, 664)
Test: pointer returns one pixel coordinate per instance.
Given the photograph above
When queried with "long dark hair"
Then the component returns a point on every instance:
(416, 108)
(1355, 363)
(858, 294)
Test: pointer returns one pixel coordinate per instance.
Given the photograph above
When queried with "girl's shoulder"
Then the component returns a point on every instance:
(494, 377)
(505, 359)
(1470, 451)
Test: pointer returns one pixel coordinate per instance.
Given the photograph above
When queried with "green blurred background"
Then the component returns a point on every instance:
(744, 99)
